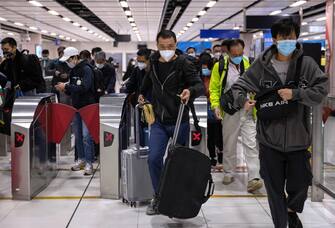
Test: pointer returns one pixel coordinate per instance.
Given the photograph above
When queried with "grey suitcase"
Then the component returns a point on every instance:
(135, 177)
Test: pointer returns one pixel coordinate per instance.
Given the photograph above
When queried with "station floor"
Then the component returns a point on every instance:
(231, 207)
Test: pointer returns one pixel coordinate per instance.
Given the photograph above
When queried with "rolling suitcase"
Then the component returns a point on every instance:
(135, 178)
(186, 182)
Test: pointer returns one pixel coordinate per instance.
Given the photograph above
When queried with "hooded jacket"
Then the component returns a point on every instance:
(292, 133)
(164, 94)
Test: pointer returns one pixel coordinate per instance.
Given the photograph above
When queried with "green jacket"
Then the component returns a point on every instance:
(215, 84)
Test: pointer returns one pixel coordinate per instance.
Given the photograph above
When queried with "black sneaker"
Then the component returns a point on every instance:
(294, 221)
(152, 209)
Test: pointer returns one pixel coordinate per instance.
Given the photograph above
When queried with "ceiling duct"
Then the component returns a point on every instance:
(173, 12)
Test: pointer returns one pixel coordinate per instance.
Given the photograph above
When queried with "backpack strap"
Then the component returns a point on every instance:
(194, 115)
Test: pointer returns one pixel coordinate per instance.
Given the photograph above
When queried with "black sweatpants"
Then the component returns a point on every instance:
(214, 139)
(279, 170)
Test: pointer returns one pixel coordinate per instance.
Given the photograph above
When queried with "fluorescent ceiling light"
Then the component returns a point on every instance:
(182, 32)
(298, 3)
(96, 34)
(66, 19)
(317, 37)
(189, 24)
(76, 24)
(275, 12)
(53, 34)
(130, 19)
(90, 31)
(195, 19)
(321, 19)
(18, 24)
(210, 4)
(304, 23)
(206, 40)
(74, 40)
(133, 24)
(61, 36)
(127, 12)
(202, 12)
(52, 12)
(44, 31)
(305, 39)
(10, 33)
(107, 40)
(124, 4)
(173, 16)
(236, 28)
(33, 28)
(100, 36)
(137, 32)
(35, 3)
(304, 33)
(68, 38)
(185, 28)
(84, 28)
(2, 19)
(135, 28)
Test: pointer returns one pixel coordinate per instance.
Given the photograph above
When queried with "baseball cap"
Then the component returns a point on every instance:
(68, 52)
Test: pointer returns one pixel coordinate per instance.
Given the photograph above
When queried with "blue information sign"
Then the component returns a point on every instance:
(220, 33)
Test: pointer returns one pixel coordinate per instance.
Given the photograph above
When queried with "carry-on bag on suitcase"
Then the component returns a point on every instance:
(186, 182)
(135, 178)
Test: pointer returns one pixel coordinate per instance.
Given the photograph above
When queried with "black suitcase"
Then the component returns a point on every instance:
(186, 182)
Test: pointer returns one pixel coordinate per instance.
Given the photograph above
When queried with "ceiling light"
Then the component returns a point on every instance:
(173, 17)
(107, 40)
(321, 19)
(137, 32)
(18, 24)
(275, 12)
(35, 3)
(124, 3)
(317, 37)
(206, 40)
(76, 24)
(90, 31)
(68, 38)
(189, 24)
(100, 36)
(53, 34)
(236, 28)
(2, 19)
(185, 28)
(84, 28)
(66, 19)
(74, 40)
(182, 32)
(304, 23)
(52, 12)
(305, 39)
(33, 28)
(202, 12)
(304, 33)
(210, 4)
(61, 36)
(135, 28)
(133, 24)
(127, 12)
(96, 34)
(195, 19)
(10, 33)
(130, 19)
(298, 3)
(44, 31)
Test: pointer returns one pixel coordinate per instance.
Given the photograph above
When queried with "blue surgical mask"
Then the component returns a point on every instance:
(205, 72)
(286, 47)
(236, 60)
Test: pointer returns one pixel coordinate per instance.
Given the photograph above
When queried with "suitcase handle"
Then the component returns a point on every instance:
(209, 189)
(179, 118)
(137, 131)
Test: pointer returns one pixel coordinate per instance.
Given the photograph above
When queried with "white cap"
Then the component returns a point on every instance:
(69, 52)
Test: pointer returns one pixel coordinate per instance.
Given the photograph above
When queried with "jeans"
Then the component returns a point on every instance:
(83, 140)
(159, 138)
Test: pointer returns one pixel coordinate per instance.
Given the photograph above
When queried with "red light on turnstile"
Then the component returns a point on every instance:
(108, 139)
(196, 138)
(19, 139)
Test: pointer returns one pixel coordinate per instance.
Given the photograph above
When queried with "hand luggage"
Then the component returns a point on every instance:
(135, 178)
(186, 182)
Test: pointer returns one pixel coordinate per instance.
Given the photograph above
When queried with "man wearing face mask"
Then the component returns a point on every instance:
(171, 79)
(240, 123)
(284, 140)
(81, 90)
(107, 70)
(217, 53)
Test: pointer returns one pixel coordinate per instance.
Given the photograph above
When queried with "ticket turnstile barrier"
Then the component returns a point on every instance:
(34, 157)
(199, 139)
(110, 144)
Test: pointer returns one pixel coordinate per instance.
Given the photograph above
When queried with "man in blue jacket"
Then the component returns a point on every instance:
(81, 90)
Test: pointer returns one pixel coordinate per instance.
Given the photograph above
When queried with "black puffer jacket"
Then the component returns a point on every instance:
(164, 95)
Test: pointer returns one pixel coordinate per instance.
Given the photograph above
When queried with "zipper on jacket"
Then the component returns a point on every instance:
(285, 135)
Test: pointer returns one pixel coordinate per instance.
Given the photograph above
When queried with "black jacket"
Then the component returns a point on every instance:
(25, 72)
(81, 85)
(108, 72)
(134, 83)
(64, 70)
(164, 95)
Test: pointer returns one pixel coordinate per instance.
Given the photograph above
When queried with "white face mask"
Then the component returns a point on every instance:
(99, 66)
(141, 65)
(217, 55)
(192, 54)
(71, 65)
(167, 54)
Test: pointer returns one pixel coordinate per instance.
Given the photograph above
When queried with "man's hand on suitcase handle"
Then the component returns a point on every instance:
(141, 99)
(185, 96)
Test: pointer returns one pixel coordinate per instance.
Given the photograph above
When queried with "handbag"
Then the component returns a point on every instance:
(149, 114)
(270, 106)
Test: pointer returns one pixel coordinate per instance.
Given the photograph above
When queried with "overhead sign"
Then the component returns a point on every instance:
(265, 22)
(199, 46)
(220, 33)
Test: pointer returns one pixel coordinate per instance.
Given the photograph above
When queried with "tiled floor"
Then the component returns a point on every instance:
(224, 210)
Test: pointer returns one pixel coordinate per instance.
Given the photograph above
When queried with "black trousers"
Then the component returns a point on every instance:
(214, 139)
(281, 170)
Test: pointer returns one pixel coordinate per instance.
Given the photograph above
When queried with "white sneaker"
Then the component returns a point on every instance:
(88, 169)
(79, 165)
(228, 179)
